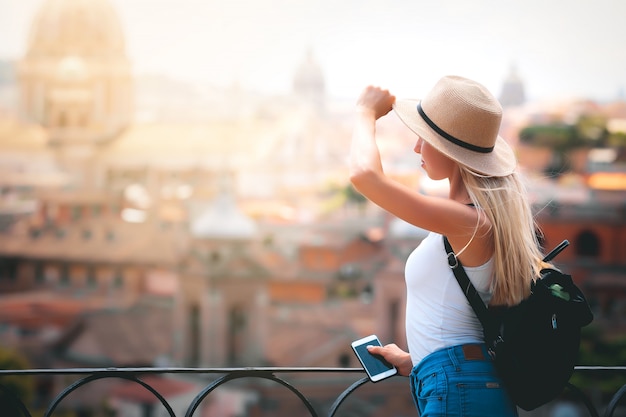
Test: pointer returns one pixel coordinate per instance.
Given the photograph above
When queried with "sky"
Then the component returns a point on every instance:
(560, 48)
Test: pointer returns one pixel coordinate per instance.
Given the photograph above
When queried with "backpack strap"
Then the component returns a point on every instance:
(489, 327)
(558, 249)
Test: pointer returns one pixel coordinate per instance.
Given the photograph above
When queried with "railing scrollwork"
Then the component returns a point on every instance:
(134, 375)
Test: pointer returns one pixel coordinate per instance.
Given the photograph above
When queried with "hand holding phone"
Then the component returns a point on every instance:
(376, 366)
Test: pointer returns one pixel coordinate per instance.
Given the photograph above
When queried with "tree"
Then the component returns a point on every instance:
(592, 130)
(14, 386)
(598, 350)
(354, 197)
(616, 140)
(557, 137)
(589, 131)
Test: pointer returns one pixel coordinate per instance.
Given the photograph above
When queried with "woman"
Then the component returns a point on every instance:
(487, 220)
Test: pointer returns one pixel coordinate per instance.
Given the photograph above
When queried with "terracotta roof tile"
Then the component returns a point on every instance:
(135, 337)
(40, 310)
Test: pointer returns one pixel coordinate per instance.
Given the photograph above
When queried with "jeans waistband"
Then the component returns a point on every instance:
(456, 354)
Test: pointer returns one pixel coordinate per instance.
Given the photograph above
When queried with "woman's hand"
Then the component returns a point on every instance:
(395, 356)
(375, 101)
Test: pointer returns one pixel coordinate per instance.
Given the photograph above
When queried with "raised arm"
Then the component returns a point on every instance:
(436, 214)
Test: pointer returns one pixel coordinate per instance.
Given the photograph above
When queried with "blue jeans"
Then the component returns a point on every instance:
(459, 381)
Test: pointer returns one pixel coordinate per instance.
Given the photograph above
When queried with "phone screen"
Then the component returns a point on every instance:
(376, 366)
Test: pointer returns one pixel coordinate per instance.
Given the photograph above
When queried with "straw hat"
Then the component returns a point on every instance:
(461, 119)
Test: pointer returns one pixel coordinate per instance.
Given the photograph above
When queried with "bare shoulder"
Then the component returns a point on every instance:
(474, 245)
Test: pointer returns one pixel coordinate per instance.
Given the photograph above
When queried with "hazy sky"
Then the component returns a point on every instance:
(560, 47)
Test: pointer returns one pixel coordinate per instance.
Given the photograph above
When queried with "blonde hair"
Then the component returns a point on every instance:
(517, 253)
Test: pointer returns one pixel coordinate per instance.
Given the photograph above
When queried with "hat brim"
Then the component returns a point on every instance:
(498, 163)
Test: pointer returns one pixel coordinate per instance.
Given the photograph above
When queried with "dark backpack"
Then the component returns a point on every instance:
(534, 344)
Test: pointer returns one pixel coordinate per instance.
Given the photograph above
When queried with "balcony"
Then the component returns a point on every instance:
(257, 392)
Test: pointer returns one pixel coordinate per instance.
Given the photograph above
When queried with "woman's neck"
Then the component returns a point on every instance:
(458, 190)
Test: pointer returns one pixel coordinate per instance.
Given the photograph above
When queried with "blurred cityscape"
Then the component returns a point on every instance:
(146, 222)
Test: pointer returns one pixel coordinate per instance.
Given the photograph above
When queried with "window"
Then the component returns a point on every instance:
(8, 269)
(237, 325)
(92, 282)
(60, 275)
(344, 360)
(394, 318)
(40, 273)
(587, 244)
(118, 280)
(64, 279)
(194, 334)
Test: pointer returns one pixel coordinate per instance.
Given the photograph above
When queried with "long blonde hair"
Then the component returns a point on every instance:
(518, 259)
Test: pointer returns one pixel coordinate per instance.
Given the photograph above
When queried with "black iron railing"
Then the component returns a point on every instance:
(220, 376)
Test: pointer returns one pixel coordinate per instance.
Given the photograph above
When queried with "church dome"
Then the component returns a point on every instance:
(223, 219)
(76, 27)
(309, 78)
(75, 77)
(512, 93)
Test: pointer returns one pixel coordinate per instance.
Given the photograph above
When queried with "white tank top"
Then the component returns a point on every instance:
(437, 313)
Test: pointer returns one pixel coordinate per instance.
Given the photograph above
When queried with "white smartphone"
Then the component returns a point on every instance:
(376, 366)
